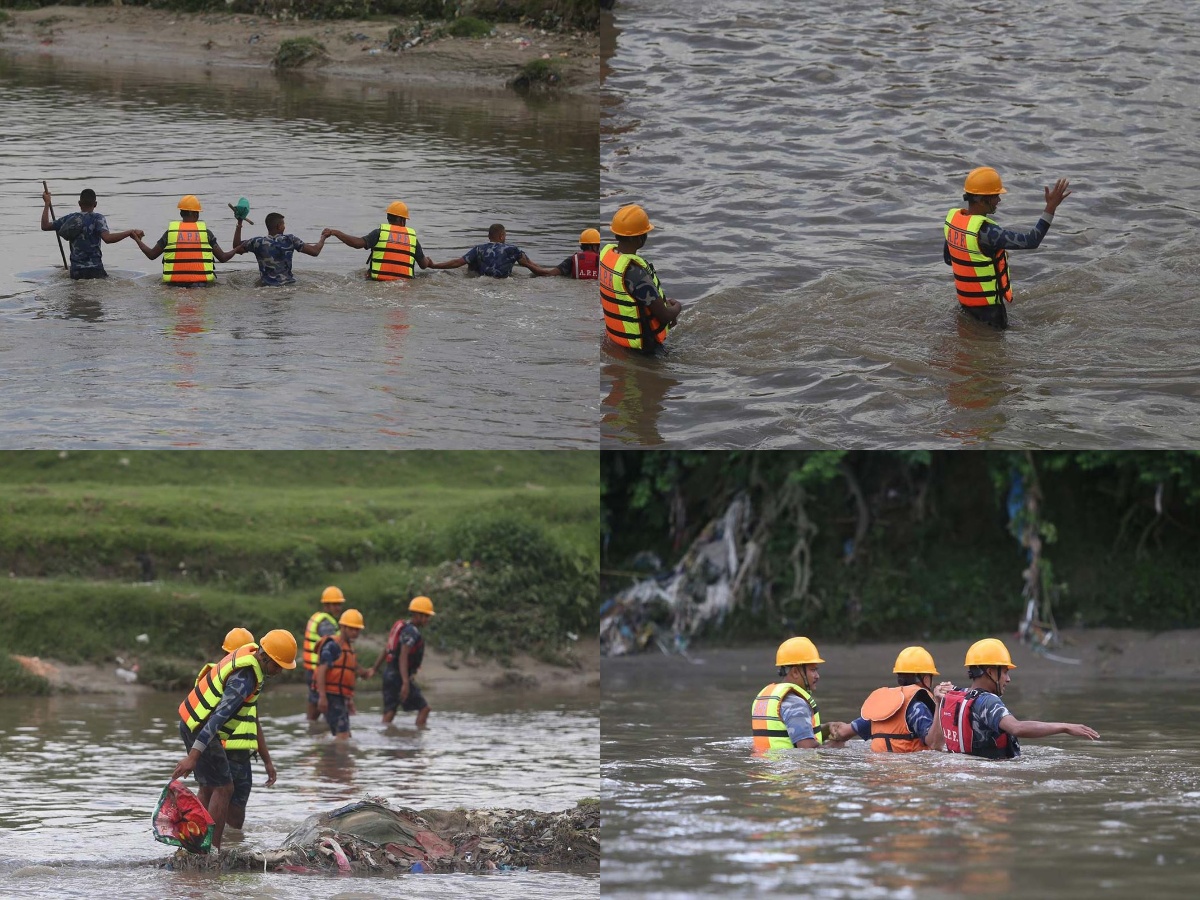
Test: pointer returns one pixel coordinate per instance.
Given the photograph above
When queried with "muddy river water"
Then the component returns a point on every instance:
(689, 812)
(80, 775)
(447, 360)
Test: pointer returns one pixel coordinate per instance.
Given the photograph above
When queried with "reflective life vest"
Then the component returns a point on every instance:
(415, 653)
(766, 724)
(627, 322)
(586, 265)
(393, 254)
(340, 674)
(956, 726)
(244, 721)
(312, 638)
(887, 711)
(979, 279)
(188, 257)
(198, 705)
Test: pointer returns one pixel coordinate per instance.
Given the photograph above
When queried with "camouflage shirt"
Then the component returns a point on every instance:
(496, 260)
(274, 253)
(83, 230)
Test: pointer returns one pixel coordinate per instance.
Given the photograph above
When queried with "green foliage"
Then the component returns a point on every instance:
(295, 52)
(470, 27)
(16, 679)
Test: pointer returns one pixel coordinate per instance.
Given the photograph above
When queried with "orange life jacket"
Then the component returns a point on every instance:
(979, 279)
(199, 704)
(393, 254)
(627, 322)
(340, 674)
(187, 257)
(887, 711)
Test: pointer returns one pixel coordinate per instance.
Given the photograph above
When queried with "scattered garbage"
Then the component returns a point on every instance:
(372, 837)
(667, 610)
(143, 638)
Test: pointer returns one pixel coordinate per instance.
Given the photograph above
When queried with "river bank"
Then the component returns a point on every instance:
(355, 49)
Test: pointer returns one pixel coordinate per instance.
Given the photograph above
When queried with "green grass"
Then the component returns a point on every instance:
(468, 26)
(296, 52)
(537, 73)
(15, 679)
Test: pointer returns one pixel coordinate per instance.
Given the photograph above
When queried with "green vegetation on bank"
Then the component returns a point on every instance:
(912, 544)
(295, 52)
(102, 547)
(550, 14)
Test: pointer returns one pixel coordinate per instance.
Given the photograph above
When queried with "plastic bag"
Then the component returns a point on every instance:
(181, 820)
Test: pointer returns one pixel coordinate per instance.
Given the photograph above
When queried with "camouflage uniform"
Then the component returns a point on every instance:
(83, 230)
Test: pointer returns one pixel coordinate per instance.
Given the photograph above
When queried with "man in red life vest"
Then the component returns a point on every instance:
(898, 719)
(187, 247)
(403, 652)
(976, 721)
(976, 248)
(582, 265)
(337, 672)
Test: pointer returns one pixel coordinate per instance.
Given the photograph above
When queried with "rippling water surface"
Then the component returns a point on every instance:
(798, 161)
(82, 775)
(688, 812)
(334, 360)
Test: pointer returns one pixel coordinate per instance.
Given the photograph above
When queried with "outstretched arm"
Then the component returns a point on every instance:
(314, 249)
(1031, 729)
(450, 264)
(150, 252)
(110, 238)
(348, 239)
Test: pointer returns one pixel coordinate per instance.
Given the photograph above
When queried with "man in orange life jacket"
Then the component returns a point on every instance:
(785, 712)
(637, 313)
(187, 248)
(898, 719)
(394, 247)
(403, 652)
(337, 671)
(582, 265)
(976, 721)
(206, 714)
(976, 248)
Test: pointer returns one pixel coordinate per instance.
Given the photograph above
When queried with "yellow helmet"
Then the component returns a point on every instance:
(983, 181)
(988, 652)
(915, 661)
(797, 651)
(189, 203)
(280, 645)
(397, 208)
(589, 236)
(421, 605)
(237, 637)
(352, 618)
(630, 221)
(332, 595)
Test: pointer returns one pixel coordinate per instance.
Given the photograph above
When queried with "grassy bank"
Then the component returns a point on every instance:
(102, 547)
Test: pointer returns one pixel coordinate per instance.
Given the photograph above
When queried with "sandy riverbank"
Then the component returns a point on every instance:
(356, 49)
(442, 674)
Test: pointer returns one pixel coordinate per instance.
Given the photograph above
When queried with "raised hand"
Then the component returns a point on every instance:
(1057, 194)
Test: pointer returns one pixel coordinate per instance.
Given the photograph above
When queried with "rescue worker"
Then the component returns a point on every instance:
(187, 247)
(402, 654)
(321, 624)
(207, 715)
(898, 719)
(394, 246)
(976, 721)
(637, 313)
(84, 231)
(247, 738)
(785, 713)
(337, 671)
(494, 259)
(274, 252)
(976, 248)
(584, 265)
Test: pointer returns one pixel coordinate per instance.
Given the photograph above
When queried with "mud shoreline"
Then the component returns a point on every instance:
(356, 49)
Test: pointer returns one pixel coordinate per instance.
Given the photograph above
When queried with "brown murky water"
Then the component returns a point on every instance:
(688, 812)
(798, 162)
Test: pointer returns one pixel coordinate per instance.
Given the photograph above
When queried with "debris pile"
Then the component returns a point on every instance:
(370, 837)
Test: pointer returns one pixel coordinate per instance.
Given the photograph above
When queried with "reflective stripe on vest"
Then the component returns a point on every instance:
(393, 254)
(342, 672)
(586, 264)
(887, 711)
(766, 723)
(198, 705)
(188, 258)
(979, 279)
(311, 638)
(956, 727)
(625, 320)
(244, 721)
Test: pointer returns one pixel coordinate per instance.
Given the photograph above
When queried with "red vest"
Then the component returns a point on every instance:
(586, 265)
(956, 726)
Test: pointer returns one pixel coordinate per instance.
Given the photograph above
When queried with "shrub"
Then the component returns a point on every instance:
(295, 52)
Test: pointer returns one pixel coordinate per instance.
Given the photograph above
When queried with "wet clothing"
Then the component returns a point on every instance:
(274, 254)
(993, 241)
(918, 717)
(986, 713)
(628, 287)
(405, 634)
(242, 775)
(341, 664)
(373, 238)
(639, 283)
(391, 693)
(493, 259)
(206, 239)
(83, 230)
(212, 768)
(582, 265)
(797, 715)
(337, 714)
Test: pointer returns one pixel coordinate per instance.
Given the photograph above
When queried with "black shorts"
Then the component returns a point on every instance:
(243, 776)
(84, 274)
(391, 693)
(212, 768)
(996, 316)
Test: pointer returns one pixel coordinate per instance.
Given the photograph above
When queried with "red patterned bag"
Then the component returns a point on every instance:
(180, 819)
